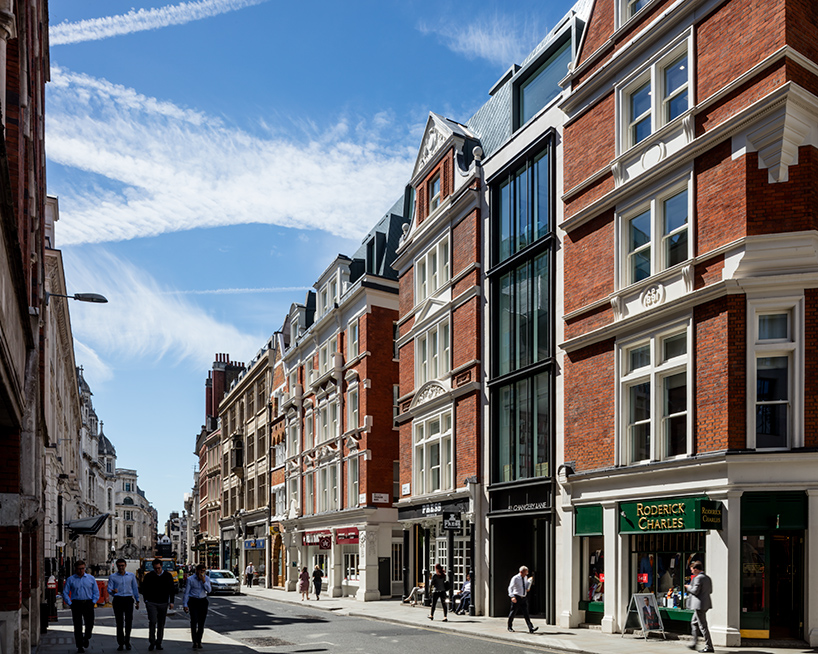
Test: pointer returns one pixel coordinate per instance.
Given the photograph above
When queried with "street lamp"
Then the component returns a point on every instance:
(81, 297)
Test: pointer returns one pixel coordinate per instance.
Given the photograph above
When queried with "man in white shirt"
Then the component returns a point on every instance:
(518, 592)
(249, 573)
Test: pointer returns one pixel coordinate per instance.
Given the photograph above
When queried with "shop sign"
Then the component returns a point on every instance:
(525, 499)
(347, 536)
(432, 509)
(254, 544)
(675, 514)
(452, 522)
(323, 539)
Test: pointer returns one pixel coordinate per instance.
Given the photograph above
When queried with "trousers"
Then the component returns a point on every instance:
(157, 614)
(82, 610)
(198, 612)
(520, 606)
(123, 613)
(698, 626)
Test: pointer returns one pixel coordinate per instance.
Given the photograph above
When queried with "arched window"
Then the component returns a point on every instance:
(127, 500)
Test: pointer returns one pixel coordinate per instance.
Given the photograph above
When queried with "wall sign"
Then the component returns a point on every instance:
(323, 539)
(381, 498)
(674, 514)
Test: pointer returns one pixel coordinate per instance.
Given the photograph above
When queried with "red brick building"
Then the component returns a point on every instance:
(24, 70)
(338, 406)
(440, 349)
(690, 302)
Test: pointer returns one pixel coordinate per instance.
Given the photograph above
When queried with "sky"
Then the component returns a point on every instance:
(211, 157)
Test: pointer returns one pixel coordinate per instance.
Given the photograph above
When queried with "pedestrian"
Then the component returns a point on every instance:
(700, 588)
(158, 592)
(440, 586)
(81, 593)
(195, 602)
(518, 592)
(123, 588)
(304, 584)
(261, 570)
(249, 573)
(317, 581)
(464, 596)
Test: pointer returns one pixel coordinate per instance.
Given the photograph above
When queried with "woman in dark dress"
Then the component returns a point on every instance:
(317, 580)
(439, 588)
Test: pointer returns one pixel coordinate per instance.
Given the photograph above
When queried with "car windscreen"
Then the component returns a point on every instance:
(214, 574)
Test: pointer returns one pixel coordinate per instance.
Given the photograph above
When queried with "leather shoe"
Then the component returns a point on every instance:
(80, 650)
(707, 649)
(86, 641)
(533, 629)
(159, 646)
(511, 630)
(151, 647)
(120, 648)
(128, 646)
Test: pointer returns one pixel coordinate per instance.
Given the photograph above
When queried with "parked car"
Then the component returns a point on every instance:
(223, 581)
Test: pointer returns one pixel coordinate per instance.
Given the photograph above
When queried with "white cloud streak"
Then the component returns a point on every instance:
(94, 29)
(144, 167)
(241, 291)
(497, 39)
(143, 321)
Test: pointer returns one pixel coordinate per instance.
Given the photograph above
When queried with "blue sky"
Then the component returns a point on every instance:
(212, 156)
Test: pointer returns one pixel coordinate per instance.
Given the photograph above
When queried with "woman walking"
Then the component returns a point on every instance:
(317, 581)
(439, 587)
(195, 603)
(304, 584)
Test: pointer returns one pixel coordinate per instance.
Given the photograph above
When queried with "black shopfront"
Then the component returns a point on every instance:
(522, 376)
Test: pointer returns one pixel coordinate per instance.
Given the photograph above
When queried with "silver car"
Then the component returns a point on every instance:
(223, 581)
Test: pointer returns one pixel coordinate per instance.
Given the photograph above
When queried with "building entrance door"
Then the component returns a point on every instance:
(773, 585)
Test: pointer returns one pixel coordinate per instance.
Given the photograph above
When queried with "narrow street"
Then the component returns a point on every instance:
(245, 623)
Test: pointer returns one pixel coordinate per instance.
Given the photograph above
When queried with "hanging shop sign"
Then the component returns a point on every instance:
(666, 515)
(323, 539)
(254, 544)
(348, 536)
(452, 522)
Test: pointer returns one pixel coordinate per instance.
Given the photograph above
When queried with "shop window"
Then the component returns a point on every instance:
(351, 563)
(775, 379)
(660, 564)
(397, 562)
(593, 572)
(656, 404)
(656, 97)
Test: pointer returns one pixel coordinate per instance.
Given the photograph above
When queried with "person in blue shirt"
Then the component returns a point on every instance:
(123, 588)
(81, 593)
(195, 602)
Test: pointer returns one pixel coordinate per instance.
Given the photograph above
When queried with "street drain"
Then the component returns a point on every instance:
(267, 642)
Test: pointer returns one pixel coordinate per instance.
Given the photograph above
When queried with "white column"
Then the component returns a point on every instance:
(616, 572)
(723, 565)
(368, 565)
(567, 563)
(294, 556)
(811, 569)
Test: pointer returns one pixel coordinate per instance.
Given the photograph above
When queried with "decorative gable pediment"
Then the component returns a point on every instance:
(438, 132)
(429, 392)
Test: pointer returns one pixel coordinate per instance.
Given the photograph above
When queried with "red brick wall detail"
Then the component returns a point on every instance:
(721, 203)
(589, 142)
(589, 262)
(589, 407)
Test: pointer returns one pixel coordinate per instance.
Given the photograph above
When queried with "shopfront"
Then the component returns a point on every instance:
(255, 552)
(660, 540)
(436, 532)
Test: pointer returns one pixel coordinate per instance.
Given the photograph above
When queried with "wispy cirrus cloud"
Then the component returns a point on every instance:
(498, 39)
(94, 29)
(143, 167)
(143, 320)
(241, 291)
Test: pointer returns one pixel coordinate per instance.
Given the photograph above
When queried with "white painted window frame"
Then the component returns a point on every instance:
(432, 269)
(655, 372)
(433, 364)
(792, 348)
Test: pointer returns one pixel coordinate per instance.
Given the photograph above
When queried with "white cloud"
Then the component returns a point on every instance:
(94, 29)
(240, 291)
(145, 167)
(497, 39)
(143, 321)
(95, 367)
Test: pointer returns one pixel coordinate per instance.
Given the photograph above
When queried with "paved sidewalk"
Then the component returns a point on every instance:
(578, 641)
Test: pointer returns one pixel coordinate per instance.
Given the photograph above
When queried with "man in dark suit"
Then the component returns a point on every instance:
(699, 588)
(158, 593)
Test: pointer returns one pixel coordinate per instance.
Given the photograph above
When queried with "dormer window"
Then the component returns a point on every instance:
(542, 85)
(434, 193)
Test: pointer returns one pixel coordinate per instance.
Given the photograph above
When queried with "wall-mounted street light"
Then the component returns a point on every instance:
(81, 297)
